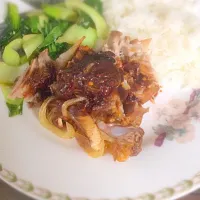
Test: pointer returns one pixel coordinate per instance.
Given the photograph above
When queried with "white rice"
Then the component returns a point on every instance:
(174, 27)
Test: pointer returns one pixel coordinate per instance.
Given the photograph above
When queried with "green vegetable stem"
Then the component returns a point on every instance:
(51, 33)
(58, 12)
(76, 32)
(13, 16)
(11, 55)
(15, 106)
(100, 23)
(31, 42)
(85, 20)
(8, 74)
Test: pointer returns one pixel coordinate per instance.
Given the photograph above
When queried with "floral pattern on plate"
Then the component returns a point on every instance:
(177, 117)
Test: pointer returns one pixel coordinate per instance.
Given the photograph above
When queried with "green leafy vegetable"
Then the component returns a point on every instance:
(15, 109)
(13, 16)
(76, 32)
(55, 49)
(84, 19)
(11, 55)
(15, 106)
(31, 43)
(11, 30)
(42, 20)
(51, 32)
(33, 24)
(58, 12)
(8, 74)
(100, 23)
(23, 59)
(53, 35)
(52, 24)
(7, 36)
(96, 4)
(28, 37)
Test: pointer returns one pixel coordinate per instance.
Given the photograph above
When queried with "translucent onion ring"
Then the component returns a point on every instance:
(68, 134)
(70, 102)
(84, 142)
(62, 60)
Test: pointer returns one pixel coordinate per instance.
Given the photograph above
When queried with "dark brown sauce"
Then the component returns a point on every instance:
(95, 77)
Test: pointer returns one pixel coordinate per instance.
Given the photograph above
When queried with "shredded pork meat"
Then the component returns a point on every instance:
(36, 79)
(114, 82)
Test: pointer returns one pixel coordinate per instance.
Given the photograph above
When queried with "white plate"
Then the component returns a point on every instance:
(43, 166)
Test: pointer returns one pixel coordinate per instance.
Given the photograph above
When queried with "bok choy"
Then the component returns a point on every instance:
(15, 106)
(54, 27)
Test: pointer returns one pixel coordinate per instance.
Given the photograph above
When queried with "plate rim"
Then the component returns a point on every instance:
(181, 189)
(27, 188)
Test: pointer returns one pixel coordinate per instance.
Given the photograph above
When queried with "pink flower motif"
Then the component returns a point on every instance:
(194, 112)
(160, 140)
(159, 129)
(188, 136)
(175, 120)
(175, 107)
(179, 121)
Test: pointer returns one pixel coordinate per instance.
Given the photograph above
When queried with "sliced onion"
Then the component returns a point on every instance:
(121, 142)
(145, 44)
(22, 88)
(62, 60)
(106, 137)
(70, 102)
(99, 44)
(125, 85)
(87, 127)
(85, 143)
(114, 130)
(43, 117)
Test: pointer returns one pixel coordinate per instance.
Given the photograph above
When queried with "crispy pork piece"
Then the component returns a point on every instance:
(126, 48)
(89, 74)
(38, 76)
(35, 83)
(124, 146)
(122, 141)
(113, 84)
(110, 110)
(87, 127)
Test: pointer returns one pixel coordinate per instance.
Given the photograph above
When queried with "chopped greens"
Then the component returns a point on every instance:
(85, 20)
(31, 24)
(8, 74)
(54, 27)
(15, 109)
(55, 49)
(76, 32)
(60, 12)
(7, 36)
(54, 34)
(97, 5)
(51, 32)
(11, 31)
(13, 16)
(10, 54)
(100, 23)
(28, 25)
(15, 106)
(31, 43)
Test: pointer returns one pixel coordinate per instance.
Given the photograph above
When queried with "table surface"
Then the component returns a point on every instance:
(7, 193)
